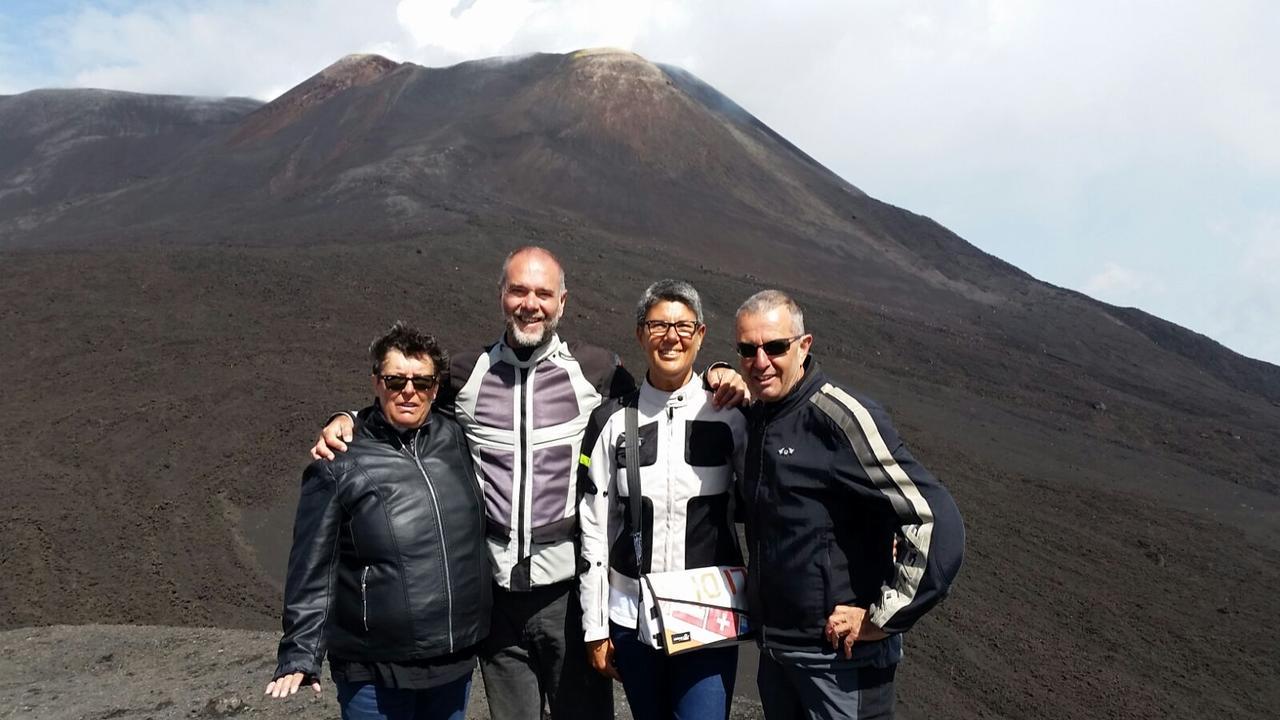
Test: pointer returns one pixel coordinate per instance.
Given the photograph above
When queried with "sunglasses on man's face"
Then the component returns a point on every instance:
(772, 348)
(421, 383)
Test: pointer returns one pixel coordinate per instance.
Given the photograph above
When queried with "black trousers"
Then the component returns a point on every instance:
(534, 657)
(832, 691)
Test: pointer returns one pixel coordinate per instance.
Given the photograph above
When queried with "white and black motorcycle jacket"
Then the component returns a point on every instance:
(689, 454)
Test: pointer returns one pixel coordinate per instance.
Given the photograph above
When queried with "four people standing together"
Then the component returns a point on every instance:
(850, 540)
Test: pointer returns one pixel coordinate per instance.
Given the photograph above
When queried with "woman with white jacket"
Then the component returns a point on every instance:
(689, 453)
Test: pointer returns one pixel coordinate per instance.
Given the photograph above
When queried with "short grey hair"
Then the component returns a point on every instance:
(669, 291)
(766, 300)
(506, 264)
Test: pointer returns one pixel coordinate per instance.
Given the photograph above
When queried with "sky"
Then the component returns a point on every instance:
(1127, 149)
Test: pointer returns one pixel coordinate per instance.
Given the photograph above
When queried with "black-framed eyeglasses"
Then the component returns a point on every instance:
(421, 383)
(772, 348)
(658, 328)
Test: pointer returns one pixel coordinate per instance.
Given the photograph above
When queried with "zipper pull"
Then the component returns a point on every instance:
(364, 597)
(637, 544)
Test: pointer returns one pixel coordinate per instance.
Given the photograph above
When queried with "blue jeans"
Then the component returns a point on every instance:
(692, 686)
(366, 701)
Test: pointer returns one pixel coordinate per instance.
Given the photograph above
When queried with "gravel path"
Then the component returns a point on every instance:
(133, 672)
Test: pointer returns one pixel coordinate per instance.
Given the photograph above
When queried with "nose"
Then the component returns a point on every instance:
(761, 359)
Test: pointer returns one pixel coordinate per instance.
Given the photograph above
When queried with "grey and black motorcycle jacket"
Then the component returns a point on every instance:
(388, 560)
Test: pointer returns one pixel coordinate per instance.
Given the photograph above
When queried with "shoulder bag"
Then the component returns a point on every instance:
(682, 610)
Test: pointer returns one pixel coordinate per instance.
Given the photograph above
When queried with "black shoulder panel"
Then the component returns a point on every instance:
(603, 368)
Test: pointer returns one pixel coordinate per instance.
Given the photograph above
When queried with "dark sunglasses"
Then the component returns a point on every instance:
(772, 348)
(658, 328)
(421, 383)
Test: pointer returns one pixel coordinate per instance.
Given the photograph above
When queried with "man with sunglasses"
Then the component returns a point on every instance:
(524, 403)
(850, 539)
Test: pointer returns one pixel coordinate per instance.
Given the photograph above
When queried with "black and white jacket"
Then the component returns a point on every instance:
(826, 487)
(689, 454)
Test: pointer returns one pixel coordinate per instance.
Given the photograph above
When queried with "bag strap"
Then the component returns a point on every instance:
(633, 483)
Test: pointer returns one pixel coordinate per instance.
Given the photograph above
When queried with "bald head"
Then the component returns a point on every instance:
(526, 254)
(533, 296)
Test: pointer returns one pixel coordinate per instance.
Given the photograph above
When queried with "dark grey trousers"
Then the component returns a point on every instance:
(800, 686)
(534, 658)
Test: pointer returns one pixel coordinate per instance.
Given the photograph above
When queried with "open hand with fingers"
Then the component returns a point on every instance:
(334, 436)
(286, 685)
(727, 386)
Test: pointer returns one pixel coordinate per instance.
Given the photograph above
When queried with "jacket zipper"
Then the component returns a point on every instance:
(444, 547)
(364, 597)
(522, 446)
(764, 633)
(670, 562)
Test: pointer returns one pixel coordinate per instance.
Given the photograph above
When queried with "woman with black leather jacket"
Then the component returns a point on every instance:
(388, 573)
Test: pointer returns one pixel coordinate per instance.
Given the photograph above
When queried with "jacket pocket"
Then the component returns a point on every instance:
(709, 535)
(708, 444)
(622, 554)
(828, 591)
(648, 449)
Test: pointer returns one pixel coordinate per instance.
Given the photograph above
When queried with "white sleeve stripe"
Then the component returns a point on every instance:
(866, 456)
(882, 468)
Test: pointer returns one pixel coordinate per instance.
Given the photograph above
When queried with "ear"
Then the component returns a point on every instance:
(641, 334)
(373, 381)
(806, 342)
(695, 342)
(564, 297)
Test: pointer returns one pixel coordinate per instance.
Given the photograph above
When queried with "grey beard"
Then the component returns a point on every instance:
(524, 340)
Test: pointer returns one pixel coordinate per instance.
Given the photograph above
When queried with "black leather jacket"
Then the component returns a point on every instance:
(388, 559)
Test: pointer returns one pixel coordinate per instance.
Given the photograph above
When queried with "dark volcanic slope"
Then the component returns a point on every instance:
(60, 149)
(185, 297)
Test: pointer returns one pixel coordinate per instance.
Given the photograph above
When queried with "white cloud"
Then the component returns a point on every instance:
(484, 28)
(1119, 285)
(446, 31)
(223, 47)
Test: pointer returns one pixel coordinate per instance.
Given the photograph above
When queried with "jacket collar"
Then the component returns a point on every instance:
(653, 397)
(813, 379)
(508, 355)
(377, 427)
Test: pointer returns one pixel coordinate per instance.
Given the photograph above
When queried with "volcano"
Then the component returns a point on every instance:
(190, 283)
